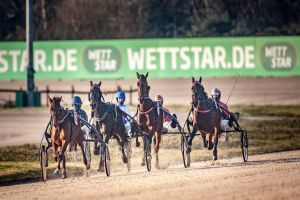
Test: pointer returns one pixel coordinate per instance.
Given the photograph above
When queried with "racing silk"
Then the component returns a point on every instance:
(166, 118)
(126, 110)
(81, 113)
(225, 112)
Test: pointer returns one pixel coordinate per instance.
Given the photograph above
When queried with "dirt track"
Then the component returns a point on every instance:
(269, 176)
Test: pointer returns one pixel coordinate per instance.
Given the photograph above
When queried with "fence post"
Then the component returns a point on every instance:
(130, 95)
(72, 91)
(47, 94)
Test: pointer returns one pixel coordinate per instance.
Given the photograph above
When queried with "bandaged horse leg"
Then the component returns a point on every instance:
(156, 149)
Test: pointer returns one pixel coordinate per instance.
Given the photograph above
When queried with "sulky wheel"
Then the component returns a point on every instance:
(43, 162)
(185, 155)
(106, 160)
(244, 144)
(147, 152)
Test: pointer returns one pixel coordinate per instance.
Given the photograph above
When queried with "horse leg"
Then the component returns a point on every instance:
(143, 157)
(156, 149)
(101, 163)
(215, 151)
(192, 135)
(63, 158)
(55, 147)
(210, 143)
(80, 143)
(204, 139)
(121, 144)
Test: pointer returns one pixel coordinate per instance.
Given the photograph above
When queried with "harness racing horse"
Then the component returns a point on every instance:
(205, 118)
(149, 117)
(109, 122)
(63, 132)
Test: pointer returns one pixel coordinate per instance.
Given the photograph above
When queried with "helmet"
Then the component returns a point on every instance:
(158, 98)
(121, 95)
(216, 93)
(76, 100)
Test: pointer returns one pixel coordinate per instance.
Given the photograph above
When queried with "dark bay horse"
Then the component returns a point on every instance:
(149, 118)
(109, 122)
(63, 132)
(206, 118)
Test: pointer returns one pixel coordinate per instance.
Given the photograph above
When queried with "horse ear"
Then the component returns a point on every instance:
(137, 75)
(200, 79)
(146, 75)
(91, 83)
(148, 87)
(99, 83)
(60, 98)
(193, 80)
(50, 100)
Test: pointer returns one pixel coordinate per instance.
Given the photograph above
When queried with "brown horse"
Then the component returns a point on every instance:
(109, 122)
(63, 132)
(206, 118)
(149, 118)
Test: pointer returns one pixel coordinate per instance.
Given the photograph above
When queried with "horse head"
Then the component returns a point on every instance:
(198, 93)
(142, 85)
(55, 109)
(95, 93)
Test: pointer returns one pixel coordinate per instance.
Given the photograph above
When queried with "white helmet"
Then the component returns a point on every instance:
(216, 94)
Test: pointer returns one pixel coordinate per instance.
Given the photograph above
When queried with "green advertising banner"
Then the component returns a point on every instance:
(168, 58)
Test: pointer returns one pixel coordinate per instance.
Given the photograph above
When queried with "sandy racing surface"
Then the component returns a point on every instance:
(268, 176)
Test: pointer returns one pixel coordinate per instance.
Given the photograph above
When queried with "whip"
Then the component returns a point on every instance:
(236, 79)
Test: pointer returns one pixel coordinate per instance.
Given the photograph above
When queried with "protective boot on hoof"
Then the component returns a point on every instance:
(143, 162)
(125, 160)
(210, 145)
(64, 174)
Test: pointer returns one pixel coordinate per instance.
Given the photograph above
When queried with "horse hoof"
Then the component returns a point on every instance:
(88, 166)
(189, 148)
(205, 143)
(96, 152)
(64, 176)
(210, 146)
(143, 163)
(125, 160)
(157, 166)
(215, 158)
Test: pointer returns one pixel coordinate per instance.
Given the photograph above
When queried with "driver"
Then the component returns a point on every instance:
(120, 102)
(225, 118)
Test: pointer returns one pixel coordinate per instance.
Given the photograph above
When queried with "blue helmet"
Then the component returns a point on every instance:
(76, 100)
(121, 95)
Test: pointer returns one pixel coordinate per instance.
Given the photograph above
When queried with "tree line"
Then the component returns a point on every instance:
(117, 19)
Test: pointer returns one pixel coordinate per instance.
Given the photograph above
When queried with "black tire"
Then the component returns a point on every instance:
(185, 155)
(43, 162)
(147, 151)
(87, 151)
(107, 160)
(244, 142)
